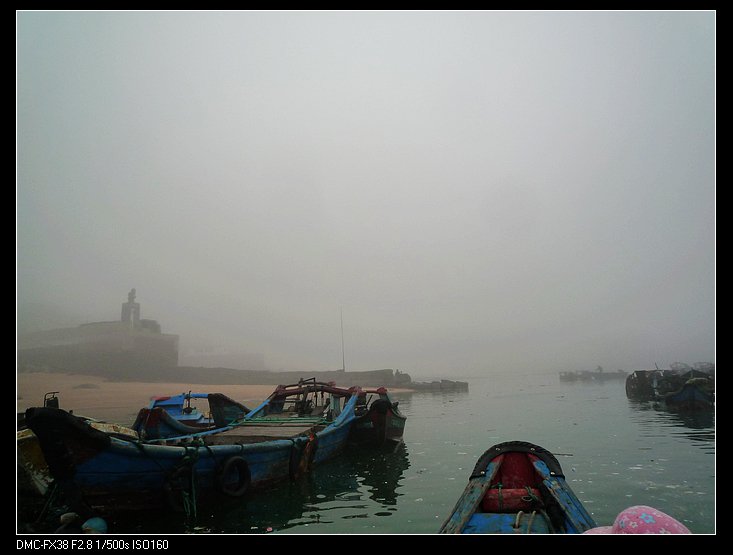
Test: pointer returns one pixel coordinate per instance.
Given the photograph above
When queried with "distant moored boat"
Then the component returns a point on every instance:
(680, 389)
(597, 375)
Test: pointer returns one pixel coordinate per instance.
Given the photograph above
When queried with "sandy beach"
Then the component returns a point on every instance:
(117, 402)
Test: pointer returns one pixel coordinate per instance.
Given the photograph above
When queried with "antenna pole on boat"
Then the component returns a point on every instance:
(343, 356)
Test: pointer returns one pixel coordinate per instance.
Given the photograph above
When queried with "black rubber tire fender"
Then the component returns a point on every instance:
(236, 488)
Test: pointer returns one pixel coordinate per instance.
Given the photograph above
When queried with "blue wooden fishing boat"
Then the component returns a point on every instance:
(297, 427)
(695, 394)
(517, 488)
(174, 415)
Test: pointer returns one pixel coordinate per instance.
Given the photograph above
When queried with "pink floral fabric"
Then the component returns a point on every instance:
(641, 519)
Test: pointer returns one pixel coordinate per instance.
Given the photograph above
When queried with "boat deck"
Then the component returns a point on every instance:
(255, 433)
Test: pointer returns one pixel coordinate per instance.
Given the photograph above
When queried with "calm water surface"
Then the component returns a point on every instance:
(615, 453)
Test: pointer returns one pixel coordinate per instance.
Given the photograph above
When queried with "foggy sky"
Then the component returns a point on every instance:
(476, 191)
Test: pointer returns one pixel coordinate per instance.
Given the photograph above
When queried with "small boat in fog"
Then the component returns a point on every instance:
(642, 385)
(174, 415)
(379, 422)
(517, 488)
(598, 375)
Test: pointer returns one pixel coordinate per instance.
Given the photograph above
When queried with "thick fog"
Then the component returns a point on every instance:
(473, 191)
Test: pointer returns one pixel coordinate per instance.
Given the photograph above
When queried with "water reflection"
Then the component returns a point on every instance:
(408, 399)
(381, 473)
(445, 393)
(358, 484)
(697, 426)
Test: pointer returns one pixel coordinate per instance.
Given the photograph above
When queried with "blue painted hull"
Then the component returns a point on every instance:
(173, 416)
(114, 473)
(690, 397)
(517, 488)
(128, 468)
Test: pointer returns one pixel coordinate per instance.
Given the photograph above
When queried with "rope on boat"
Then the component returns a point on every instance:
(217, 464)
(532, 496)
(518, 522)
(185, 471)
(52, 494)
(144, 452)
(548, 520)
(189, 499)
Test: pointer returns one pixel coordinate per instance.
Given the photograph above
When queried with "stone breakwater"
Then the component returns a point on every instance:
(438, 385)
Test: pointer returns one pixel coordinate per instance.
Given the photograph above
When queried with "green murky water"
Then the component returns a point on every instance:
(615, 453)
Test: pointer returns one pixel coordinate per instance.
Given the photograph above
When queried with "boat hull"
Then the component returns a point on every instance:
(380, 427)
(379, 424)
(691, 397)
(692, 391)
(112, 473)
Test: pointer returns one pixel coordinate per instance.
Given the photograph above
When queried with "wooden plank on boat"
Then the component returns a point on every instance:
(575, 515)
(281, 421)
(472, 496)
(255, 434)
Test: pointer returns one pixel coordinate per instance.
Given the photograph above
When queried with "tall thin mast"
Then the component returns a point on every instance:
(343, 356)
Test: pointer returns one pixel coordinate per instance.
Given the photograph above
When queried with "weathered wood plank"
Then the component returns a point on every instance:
(253, 434)
(576, 515)
(472, 495)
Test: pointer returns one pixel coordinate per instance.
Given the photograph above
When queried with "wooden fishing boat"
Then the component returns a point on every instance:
(34, 477)
(695, 394)
(380, 423)
(174, 415)
(689, 391)
(33, 473)
(279, 440)
(641, 385)
(517, 488)
(597, 375)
